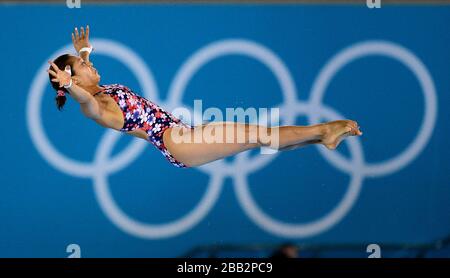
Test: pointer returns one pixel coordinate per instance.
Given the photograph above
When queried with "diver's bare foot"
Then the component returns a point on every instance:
(336, 131)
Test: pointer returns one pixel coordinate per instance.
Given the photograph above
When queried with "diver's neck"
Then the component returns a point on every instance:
(94, 89)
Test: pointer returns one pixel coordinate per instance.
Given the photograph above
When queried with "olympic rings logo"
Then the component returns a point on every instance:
(105, 165)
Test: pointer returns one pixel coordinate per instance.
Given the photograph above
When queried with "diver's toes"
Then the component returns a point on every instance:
(357, 132)
(331, 146)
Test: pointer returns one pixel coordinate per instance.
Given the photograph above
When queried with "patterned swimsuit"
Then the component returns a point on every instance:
(140, 113)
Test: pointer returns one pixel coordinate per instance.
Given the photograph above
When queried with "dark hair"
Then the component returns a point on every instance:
(62, 61)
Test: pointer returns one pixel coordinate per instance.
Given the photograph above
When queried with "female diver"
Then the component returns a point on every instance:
(118, 107)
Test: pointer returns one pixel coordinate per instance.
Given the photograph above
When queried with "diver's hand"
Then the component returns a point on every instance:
(81, 39)
(60, 76)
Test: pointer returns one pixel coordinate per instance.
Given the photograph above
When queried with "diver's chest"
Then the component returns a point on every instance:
(112, 114)
(115, 117)
(109, 104)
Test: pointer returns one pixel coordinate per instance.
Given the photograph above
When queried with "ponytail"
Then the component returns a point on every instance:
(62, 61)
(60, 99)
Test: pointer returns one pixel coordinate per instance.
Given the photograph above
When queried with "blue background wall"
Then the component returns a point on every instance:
(44, 208)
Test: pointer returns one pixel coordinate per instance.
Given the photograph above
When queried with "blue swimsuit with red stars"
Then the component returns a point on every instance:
(140, 113)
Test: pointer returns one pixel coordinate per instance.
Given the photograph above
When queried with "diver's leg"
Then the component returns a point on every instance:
(206, 143)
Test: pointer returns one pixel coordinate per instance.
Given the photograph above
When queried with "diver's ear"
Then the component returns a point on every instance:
(75, 80)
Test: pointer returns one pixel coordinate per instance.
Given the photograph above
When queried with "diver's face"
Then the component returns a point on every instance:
(85, 73)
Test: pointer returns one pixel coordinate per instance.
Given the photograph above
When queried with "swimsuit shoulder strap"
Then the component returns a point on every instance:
(106, 89)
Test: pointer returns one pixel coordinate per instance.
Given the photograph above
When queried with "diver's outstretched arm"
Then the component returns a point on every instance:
(81, 40)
